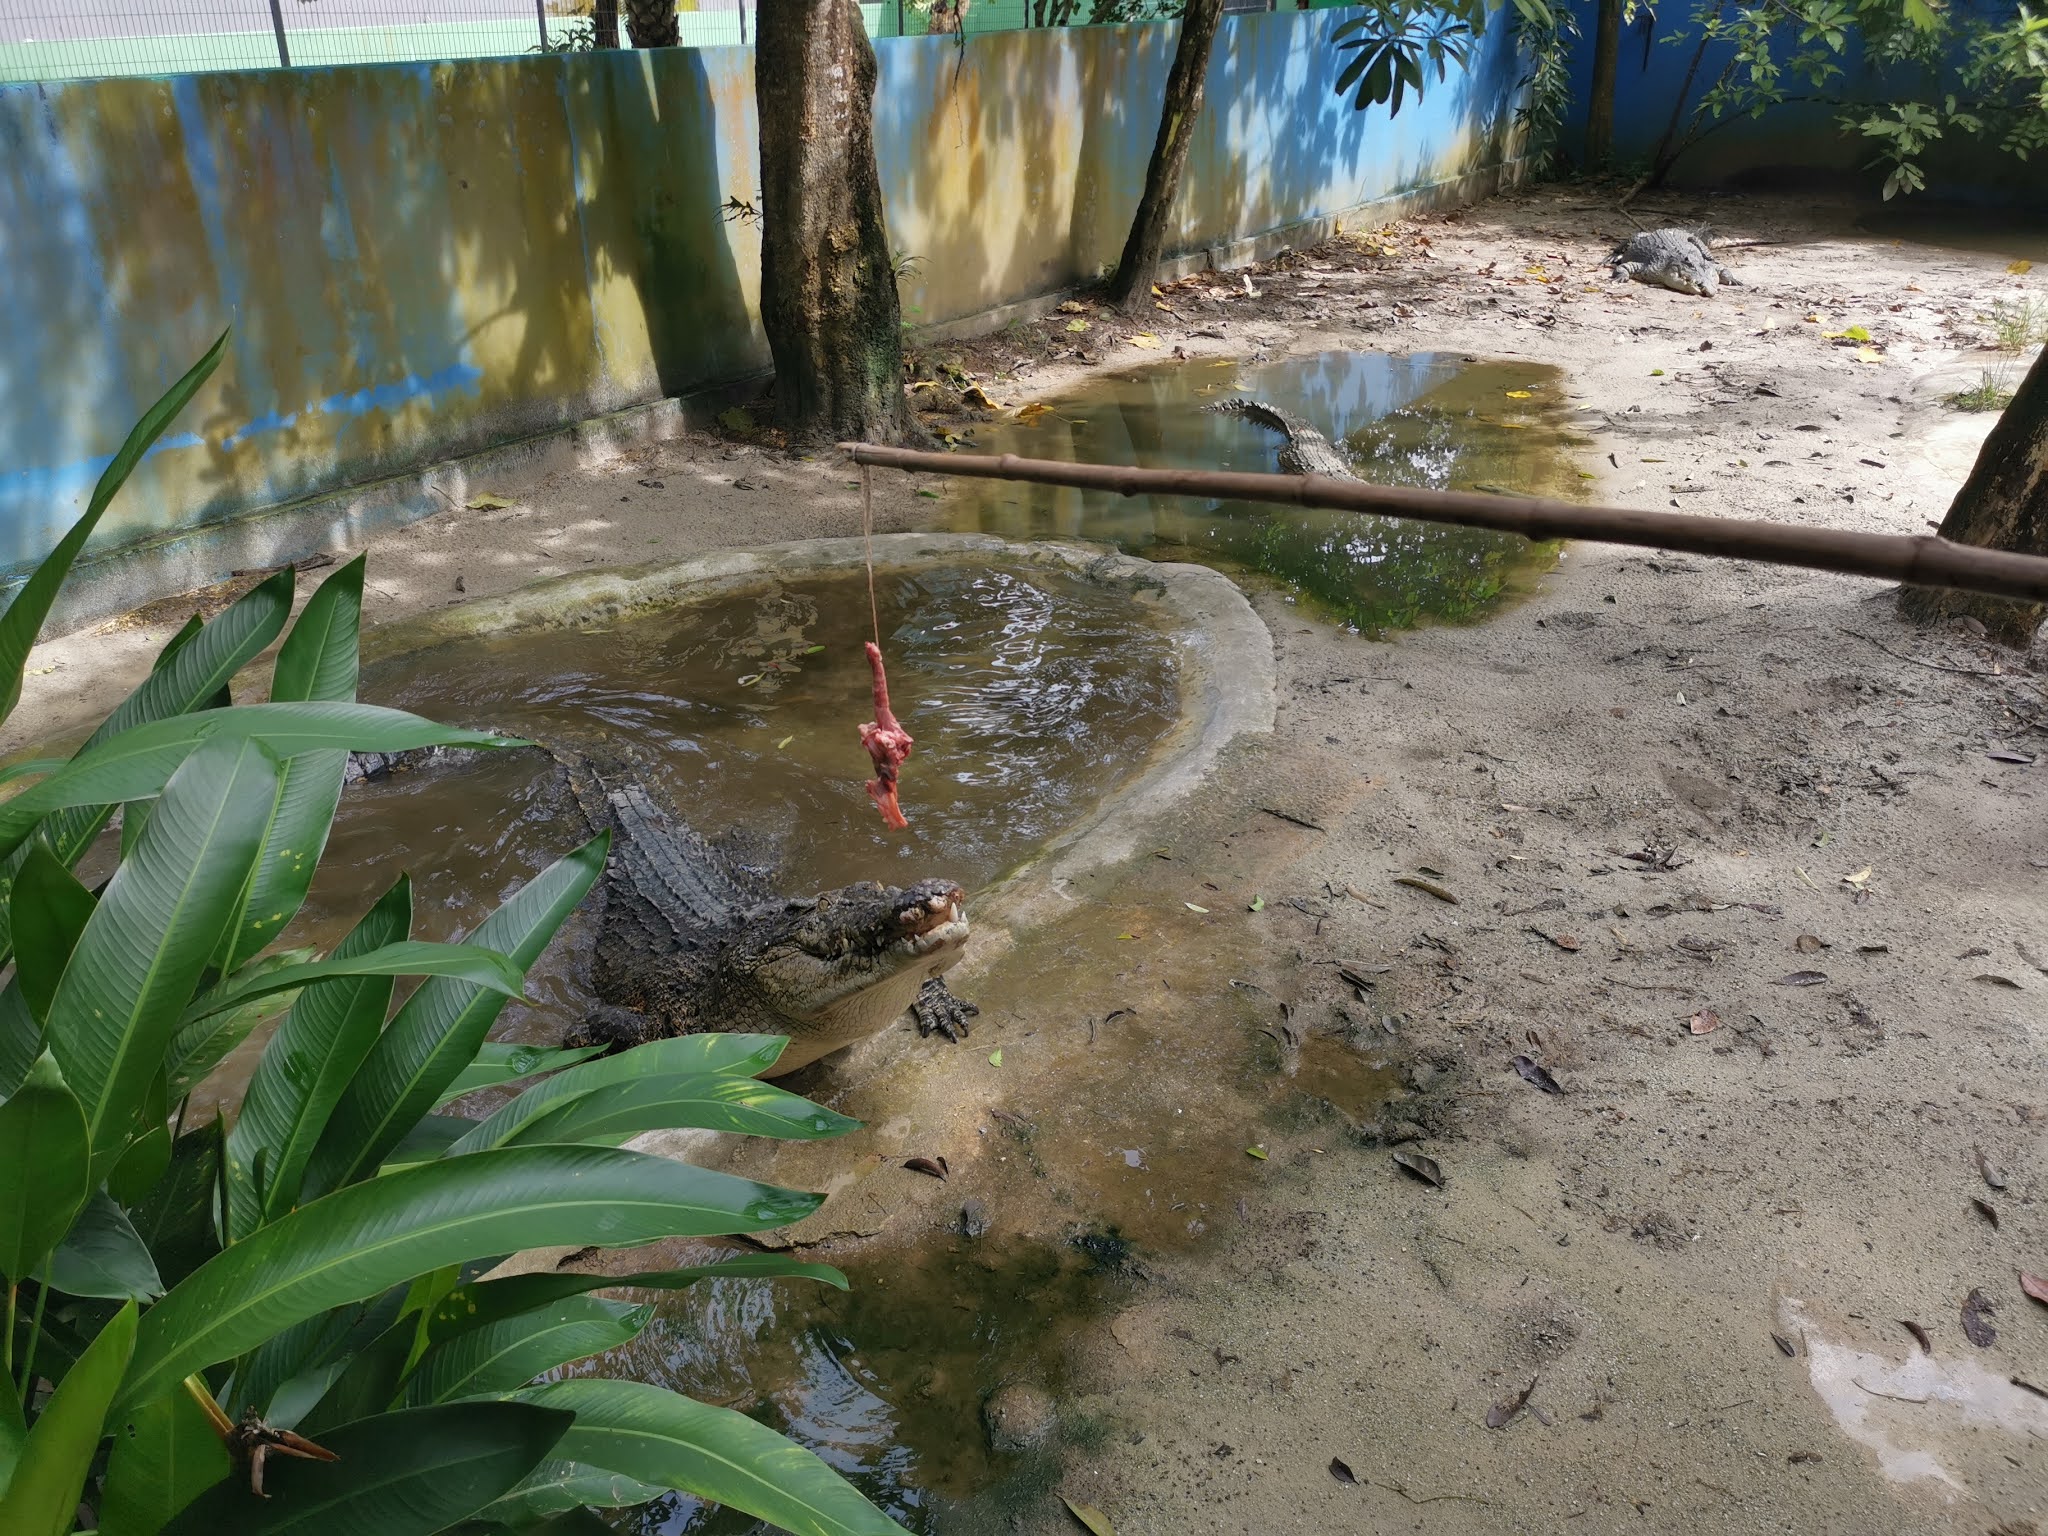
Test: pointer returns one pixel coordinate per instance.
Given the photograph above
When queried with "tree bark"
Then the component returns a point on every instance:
(948, 16)
(2003, 505)
(828, 287)
(604, 21)
(1600, 102)
(1136, 272)
(653, 23)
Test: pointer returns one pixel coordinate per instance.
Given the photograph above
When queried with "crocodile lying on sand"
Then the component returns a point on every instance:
(1678, 259)
(1307, 451)
(689, 940)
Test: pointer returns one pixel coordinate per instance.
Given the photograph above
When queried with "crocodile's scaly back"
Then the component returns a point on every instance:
(1307, 452)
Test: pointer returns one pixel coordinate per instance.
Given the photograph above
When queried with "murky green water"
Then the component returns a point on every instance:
(1423, 419)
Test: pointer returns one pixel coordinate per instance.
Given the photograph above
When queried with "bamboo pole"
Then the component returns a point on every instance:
(1918, 560)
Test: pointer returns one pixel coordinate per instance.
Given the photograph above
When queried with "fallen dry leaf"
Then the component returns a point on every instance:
(1500, 1415)
(1427, 887)
(1146, 340)
(1343, 1473)
(1532, 1072)
(1993, 1176)
(1918, 1332)
(485, 502)
(1987, 1211)
(1423, 1168)
(1705, 1022)
(1785, 1346)
(2010, 757)
(936, 1167)
(1801, 979)
(1991, 980)
(2035, 1287)
(1096, 1521)
(1977, 1310)
(1809, 944)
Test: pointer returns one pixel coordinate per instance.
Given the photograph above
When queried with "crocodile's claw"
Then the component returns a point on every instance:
(939, 1011)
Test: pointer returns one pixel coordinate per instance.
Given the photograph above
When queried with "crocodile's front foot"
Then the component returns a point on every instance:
(615, 1029)
(938, 1010)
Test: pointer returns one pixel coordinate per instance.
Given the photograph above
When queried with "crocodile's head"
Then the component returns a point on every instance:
(845, 965)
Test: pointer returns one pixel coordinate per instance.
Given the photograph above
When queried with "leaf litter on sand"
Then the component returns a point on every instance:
(1531, 1071)
(1993, 1175)
(1987, 1211)
(935, 1166)
(1421, 1167)
(1977, 1310)
(1343, 1473)
(1501, 1414)
(1919, 1333)
(2034, 1286)
(1096, 1521)
(1705, 1022)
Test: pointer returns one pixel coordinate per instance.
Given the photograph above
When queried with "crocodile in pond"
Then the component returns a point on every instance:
(691, 941)
(1678, 259)
(1306, 452)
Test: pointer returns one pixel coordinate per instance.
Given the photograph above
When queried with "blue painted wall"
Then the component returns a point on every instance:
(423, 260)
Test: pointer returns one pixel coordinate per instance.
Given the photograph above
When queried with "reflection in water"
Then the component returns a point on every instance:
(885, 1381)
(1426, 419)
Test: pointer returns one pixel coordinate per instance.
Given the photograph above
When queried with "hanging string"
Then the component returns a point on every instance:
(867, 533)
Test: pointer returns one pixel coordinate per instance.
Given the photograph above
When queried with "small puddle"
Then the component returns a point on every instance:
(1426, 419)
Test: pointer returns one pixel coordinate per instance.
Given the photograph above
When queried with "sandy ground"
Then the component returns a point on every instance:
(1669, 796)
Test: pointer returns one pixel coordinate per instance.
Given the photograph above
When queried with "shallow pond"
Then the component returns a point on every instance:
(1427, 419)
(747, 708)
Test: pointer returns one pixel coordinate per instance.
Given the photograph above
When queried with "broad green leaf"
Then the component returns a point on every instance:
(361, 1240)
(21, 1035)
(303, 1070)
(428, 1141)
(656, 1436)
(165, 1454)
(103, 1256)
(23, 620)
(399, 1474)
(42, 1499)
(318, 660)
(147, 1152)
(13, 1436)
(743, 1056)
(142, 953)
(366, 1385)
(486, 1301)
(45, 1158)
(499, 1063)
(559, 1488)
(29, 766)
(175, 1219)
(689, 1101)
(50, 909)
(439, 1029)
(512, 1351)
(290, 1371)
(136, 764)
(411, 957)
(191, 676)
(204, 1042)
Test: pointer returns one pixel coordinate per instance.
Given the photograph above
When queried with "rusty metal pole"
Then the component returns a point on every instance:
(1922, 560)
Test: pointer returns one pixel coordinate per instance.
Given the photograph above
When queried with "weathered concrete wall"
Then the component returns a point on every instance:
(420, 261)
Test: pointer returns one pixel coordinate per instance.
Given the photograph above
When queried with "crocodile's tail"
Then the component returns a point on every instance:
(1270, 417)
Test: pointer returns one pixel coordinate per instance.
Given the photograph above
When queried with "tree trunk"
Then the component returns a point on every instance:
(1600, 102)
(828, 287)
(653, 23)
(1135, 273)
(2003, 505)
(948, 16)
(604, 21)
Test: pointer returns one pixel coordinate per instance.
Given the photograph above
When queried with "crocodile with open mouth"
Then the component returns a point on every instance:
(691, 941)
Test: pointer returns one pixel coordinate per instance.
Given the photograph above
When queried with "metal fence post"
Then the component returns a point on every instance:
(540, 14)
(284, 54)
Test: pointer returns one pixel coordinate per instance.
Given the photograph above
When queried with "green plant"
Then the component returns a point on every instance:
(302, 1304)
(2015, 326)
